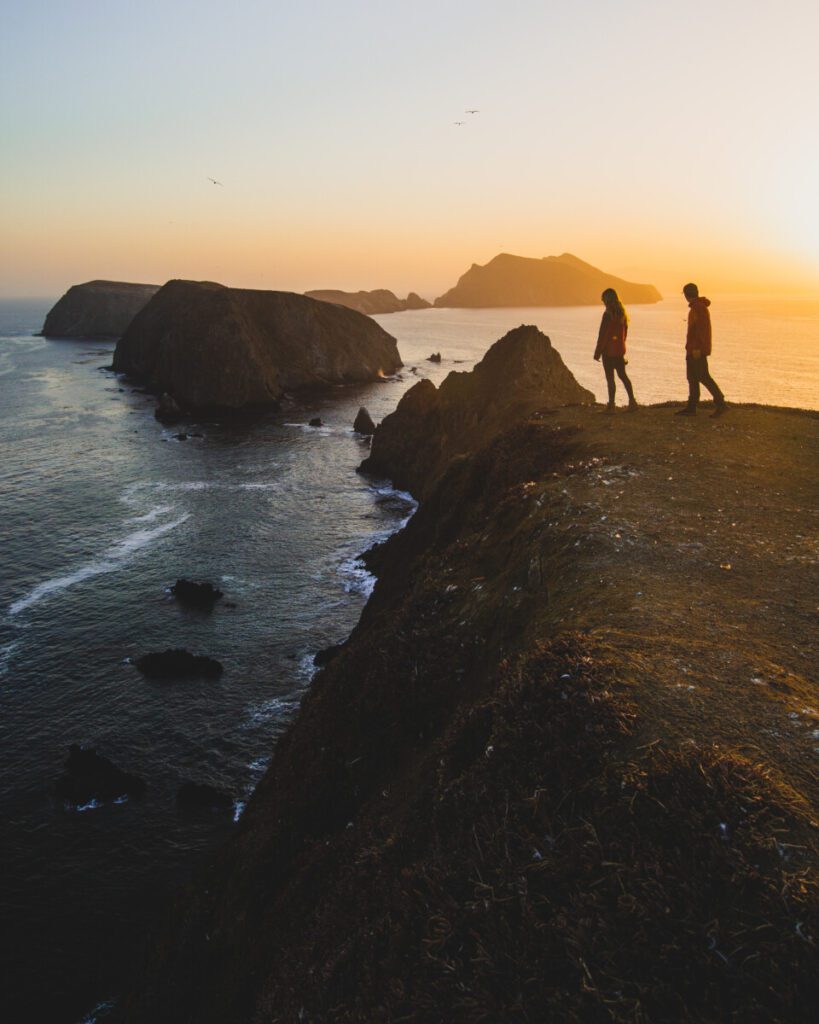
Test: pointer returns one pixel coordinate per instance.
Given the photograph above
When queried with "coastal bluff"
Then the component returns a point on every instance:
(97, 309)
(520, 374)
(563, 769)
(380, 300)
(213, 347)
(551, 281)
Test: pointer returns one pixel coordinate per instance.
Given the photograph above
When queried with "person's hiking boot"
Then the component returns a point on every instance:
(720, 410)
(687, 411)
(633, 405)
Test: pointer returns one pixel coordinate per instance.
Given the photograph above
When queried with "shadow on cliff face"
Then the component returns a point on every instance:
(464, 823)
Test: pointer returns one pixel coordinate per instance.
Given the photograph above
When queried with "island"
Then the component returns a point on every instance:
(97, 309)
(563, 769)
(210, 347)
(552, 281)
(380, 300)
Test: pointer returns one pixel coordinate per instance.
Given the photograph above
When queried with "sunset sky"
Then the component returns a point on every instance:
(661, 142)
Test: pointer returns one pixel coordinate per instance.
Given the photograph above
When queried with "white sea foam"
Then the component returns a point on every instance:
(153, 515)
(276, 707)
(6, 652)
(99, 1011)
(113, 559)
(92, 805)
(238, 809)
(357, 579)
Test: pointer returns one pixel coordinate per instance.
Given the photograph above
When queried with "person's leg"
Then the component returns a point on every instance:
(692, 372)
(620, 366)
(608, 367)
(710, 383)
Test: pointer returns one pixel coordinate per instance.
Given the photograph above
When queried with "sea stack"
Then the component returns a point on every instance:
(212, 347)
(97, 309)
(552, 281)
(521, 374)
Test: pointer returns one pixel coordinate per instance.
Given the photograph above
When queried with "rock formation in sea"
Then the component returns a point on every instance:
(97, 309)
(90, 777)
(521, 374)
(552, 281)
(212, 347)
(178, 663)
(363, 423)
(380, 300)
(202, 596)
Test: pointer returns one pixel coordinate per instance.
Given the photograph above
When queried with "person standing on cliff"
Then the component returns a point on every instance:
(697, 351)
(611, 346)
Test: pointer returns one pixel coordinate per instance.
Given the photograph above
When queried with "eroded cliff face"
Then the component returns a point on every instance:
(97, 309)
(380, 300)
(521, 791)
(522, 373)
(552, 281)
(212, 347)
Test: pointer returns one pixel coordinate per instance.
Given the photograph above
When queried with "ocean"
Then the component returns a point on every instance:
(103, 509)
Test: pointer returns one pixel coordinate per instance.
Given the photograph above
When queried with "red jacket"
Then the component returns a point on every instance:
(611, 341)
(698, 336)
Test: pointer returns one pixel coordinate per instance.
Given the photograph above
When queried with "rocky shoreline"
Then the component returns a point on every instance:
(563, 768)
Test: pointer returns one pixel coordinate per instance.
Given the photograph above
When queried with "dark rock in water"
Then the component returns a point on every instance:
(168, 410)
(521, 374)
(97, 309)
(380, 300)
(363, 422)
(178, 664)
(552, 281)
(89, 776)
(213, 347)
(197, 796)
(315, 422)
(181, 437)
(434, 358)
(196, 595)
(326, 655)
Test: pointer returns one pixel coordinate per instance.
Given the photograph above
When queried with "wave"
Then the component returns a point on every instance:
(113, 560)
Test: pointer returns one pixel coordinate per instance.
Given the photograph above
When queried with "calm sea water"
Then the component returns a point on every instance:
(102, 509)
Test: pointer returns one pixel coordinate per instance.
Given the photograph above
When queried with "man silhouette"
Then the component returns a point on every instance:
(697, 351)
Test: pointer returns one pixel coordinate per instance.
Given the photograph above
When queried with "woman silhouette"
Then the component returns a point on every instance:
(611, 346)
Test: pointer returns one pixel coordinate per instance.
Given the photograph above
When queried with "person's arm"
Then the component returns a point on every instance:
(601, 336)
(693, 338)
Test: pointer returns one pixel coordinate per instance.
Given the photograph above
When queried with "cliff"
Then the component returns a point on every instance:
(215, 347)
(381, 300)
(519, 375)
(552, 281)
(564, 767)
(97, 309)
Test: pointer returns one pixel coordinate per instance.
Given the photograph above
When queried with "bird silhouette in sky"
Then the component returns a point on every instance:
(472, 111)
(215, 182)
(458, 122)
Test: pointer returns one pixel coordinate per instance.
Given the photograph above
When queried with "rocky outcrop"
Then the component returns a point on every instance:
(91, 778)
(97, 309)
(380, 300)
(552, 281)
(212, 347)
(178, 664)
(520, 375)
(363, 423)
(202, 596)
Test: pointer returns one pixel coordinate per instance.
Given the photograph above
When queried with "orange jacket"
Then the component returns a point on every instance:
(611, 341)
(698, 337)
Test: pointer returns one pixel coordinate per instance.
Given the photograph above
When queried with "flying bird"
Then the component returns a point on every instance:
(472, 111)
(215, 182)
(459, 122)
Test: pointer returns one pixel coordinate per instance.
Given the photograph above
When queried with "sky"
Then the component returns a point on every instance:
(661, 142)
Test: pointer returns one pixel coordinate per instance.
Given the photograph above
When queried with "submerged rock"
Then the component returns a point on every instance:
(521, 374)
(90, 777)
(552, 281)
(196, 595)
(178, 664)
(363, 423)
(315, 422)
(212, 347)
(197, 796)
(97, 309)
(167, 410)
